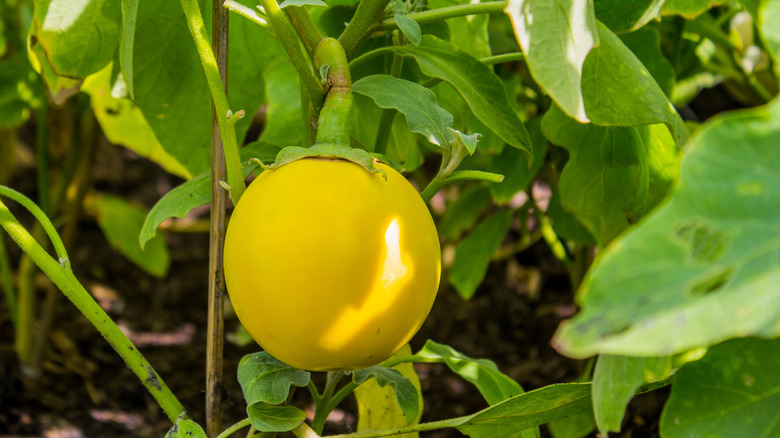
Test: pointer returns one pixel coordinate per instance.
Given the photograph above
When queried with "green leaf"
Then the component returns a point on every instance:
(619, 91)
(127, 40)
(575, 426)
(614, 175)
(377, 406)
(477, 84)
(689, 8)
(121, 222)
(410, 28)
(415, 102)
(463, 213)
(509, 418)
(184, 427)
(402, 145)
(18, 92)
(622, 16)
(60, 88)
(406, 393)
(556, 36)
(483, 373)
(733, 391)
(515, 167)
(197, 191)
(702, 268)
(270, 418)
(264, 378)
(565, 224)
(472, 256)
(645, 44)
(79, 37)
(283, 113)
(122, 123)
(615, 381)
(769, 16)
(287, 3)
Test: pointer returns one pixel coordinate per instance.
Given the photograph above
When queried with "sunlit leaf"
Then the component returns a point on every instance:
(622, 16)
(406, 394)
(702, 268)
(689, 8)
(556, 36)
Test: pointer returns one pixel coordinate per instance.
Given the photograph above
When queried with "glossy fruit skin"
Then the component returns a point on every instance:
(330, 267)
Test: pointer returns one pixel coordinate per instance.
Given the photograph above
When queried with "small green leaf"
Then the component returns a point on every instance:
(619, 91)
(483, 373)
(733, 391)
(377, 406)
(509, 418)
(615, 381)
(184, 427)
(197, 191)
(288, 3)
(415, 102)
(700, 269)
(263, 378)
(622, 16)
(405, 392)
(479, 86)
(127, 41)
(410, 28)
(270, 418)
(121, 222)
(515, 167)
(473, 254)
(556, 36)
(463, 213)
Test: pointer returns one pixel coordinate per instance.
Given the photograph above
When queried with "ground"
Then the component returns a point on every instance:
(86, 391)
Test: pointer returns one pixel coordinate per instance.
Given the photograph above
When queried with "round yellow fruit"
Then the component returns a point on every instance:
(330, 267)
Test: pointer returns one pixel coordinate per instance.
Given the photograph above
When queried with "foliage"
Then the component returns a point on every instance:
(669, 237)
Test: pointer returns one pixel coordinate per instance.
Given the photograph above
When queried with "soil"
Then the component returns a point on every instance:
(86, 391)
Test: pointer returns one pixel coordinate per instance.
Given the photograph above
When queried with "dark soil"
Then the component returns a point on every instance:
(86, 391)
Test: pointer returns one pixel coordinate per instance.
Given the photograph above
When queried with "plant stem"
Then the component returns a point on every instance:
(362, 25)
(440, 180)
(235, 176)
(234, 428)
(504, 57)
(215, 328)
(422, 427)
(42, 154)
(323, 404)
(69, 285)
(307, 29)
(292, 45)
(441, 14)
(336, 114)
(244, 11)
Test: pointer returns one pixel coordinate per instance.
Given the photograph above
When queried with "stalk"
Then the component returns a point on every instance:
(362, 25)
(335, 116)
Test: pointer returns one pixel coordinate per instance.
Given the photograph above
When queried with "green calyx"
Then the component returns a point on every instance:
(324, 151)
(335, 117)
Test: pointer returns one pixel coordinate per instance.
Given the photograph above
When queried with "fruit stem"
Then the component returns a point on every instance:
(323, 405)
(335, 117)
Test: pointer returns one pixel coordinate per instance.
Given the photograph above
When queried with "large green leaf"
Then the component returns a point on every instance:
(509, 418)
(283, 113)
(121, 222)
(733, 391)
(477, 84)
(622, 16)
(614, 174)
(473, 254)
(615, 381)
(415, 102)
(79, 37)
(556, 36)
(619, 91)
(769, 15)
(645, 44)
(703, 267)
